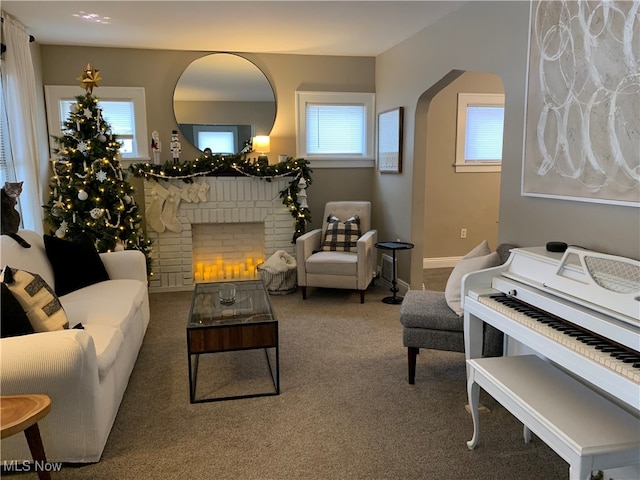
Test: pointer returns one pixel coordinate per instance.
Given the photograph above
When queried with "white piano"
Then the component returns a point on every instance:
(571, 366)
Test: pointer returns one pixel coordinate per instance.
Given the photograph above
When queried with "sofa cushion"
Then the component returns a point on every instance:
(38, 300)
(13, 320)
(114, 303)
(107, 340)
(428, 309)
(75, 264)
(341, 236)
(333, 263)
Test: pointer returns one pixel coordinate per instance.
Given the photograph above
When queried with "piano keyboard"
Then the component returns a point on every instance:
(618, 359)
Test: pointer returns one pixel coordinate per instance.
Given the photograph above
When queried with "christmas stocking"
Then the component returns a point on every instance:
(170, 210)
(184, 193)
(194, 188)
(202, 191)
(154, 211)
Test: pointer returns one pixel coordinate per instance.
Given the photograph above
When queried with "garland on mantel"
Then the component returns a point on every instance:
(212, 165)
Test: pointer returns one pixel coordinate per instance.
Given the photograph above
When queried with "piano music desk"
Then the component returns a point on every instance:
(585, 429)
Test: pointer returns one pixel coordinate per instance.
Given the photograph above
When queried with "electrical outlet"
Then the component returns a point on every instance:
(463, 233)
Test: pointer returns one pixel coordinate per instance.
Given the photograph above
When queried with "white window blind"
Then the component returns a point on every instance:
(336, 129)
(218, 142)
(119, 114)
(485, 126)
(479, 133)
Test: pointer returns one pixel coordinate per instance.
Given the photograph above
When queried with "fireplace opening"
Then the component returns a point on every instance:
(227, 251)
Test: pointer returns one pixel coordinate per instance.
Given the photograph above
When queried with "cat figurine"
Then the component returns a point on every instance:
(9, 216)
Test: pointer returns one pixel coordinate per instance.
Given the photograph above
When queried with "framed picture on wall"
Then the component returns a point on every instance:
(390, 140)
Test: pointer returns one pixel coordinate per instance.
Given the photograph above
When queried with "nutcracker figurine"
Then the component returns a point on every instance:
(175, 146)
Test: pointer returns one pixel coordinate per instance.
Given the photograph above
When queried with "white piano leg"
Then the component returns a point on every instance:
(526, 433)
(473, 393)
(473, 336)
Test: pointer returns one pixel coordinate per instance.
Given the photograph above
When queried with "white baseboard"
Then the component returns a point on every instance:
(440, 262)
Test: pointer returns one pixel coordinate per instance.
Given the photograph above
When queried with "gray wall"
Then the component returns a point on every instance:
(487, 37)
(159, 70)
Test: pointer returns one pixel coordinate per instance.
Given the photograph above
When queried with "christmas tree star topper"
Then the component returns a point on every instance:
(90, 78)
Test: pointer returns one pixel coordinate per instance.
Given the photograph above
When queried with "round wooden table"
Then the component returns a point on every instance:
(21, 413)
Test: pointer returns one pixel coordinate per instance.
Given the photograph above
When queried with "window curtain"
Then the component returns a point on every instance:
(19, 88)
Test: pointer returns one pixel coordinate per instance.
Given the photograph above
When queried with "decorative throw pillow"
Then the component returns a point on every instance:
(13, 321)
(341, 236)
(476, 259)
(75, 264)
(38, 300)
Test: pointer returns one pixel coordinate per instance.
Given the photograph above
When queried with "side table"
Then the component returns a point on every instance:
(393, 246)
(21, 413)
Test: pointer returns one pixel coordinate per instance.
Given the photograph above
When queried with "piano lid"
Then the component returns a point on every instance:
(600, 281)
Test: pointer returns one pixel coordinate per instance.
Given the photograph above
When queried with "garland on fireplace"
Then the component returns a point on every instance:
(293, 195)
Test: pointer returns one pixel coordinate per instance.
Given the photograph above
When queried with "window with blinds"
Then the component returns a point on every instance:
(124, 108)
(335, 129)
(480, 129)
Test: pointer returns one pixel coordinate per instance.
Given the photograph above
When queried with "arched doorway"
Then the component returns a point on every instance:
(446, 201)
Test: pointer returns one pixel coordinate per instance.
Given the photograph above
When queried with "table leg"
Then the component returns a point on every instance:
(393, 300)
(37, 450)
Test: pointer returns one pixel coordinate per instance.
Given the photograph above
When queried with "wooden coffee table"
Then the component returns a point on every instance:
(21, 413)
(248, 324)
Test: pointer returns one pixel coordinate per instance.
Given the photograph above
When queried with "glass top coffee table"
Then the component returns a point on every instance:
(221, 322)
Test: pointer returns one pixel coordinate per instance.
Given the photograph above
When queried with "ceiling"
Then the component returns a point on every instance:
(350, 28)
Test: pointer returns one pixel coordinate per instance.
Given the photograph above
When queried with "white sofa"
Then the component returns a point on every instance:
(84, 371)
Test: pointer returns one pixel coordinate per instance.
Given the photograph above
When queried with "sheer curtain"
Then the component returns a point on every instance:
(19, 89)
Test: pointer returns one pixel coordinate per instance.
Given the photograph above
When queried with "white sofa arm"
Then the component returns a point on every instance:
(366, 250)
(125, 264)
(63, 361)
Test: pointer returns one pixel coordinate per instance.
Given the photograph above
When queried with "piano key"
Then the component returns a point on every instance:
(556, 329)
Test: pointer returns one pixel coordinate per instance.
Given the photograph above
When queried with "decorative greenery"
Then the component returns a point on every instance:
(240, 164)
(90, 196)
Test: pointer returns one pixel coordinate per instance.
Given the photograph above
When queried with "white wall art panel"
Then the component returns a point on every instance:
(583, 102)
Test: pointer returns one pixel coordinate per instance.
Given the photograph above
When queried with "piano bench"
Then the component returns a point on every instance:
(428, 322)
(584, 428)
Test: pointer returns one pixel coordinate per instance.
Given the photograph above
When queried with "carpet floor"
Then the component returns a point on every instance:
(345, 410)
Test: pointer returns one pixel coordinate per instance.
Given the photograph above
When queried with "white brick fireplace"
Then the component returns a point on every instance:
(241, 217)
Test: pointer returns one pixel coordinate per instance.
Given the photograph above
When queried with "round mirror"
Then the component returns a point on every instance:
(222, 101)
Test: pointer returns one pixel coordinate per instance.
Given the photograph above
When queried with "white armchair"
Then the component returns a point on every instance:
(345, 264)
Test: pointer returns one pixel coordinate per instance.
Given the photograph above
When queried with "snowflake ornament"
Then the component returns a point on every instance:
(87, 113)
(82, 146)
(101, 175)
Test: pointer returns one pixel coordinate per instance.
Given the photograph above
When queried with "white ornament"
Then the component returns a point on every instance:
(82, 146)
(119, 247)
(102, 138)
(82, 195)
(127, 199)
(101, 175)
(95, 213)
(60, 233)
(87, 113)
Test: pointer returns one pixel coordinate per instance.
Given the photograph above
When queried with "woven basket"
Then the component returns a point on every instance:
(279, 283)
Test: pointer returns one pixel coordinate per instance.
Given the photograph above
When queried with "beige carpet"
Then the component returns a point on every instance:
(346, 410)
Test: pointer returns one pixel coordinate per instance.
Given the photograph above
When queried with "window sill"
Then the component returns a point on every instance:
(341, 163)
(481, 168)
